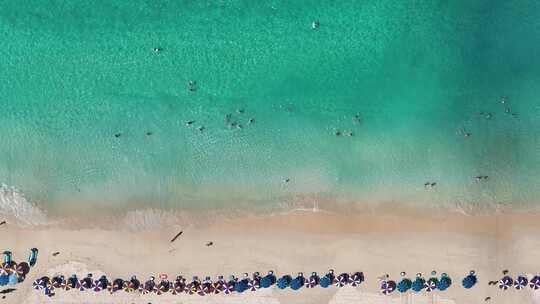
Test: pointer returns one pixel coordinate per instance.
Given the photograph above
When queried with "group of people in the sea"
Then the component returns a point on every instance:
(11, 272)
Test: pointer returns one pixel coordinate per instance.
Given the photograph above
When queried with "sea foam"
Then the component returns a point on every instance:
(15, 208)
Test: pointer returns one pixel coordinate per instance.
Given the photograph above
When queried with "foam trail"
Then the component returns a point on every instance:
(17, 209)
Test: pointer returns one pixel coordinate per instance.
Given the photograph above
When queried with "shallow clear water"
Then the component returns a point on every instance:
(72, 75)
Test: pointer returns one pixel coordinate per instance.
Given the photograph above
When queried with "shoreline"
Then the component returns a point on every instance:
(289, 243)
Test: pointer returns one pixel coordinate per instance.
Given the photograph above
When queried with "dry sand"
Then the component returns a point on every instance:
(289, 243)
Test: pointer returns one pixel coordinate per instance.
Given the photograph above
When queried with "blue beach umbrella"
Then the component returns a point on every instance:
(404, 285)
(521, 282)
(284, 282)
(12, 278)
(445, 282)
(419, 283)
(32, 258)
(241, 285)
(469, 281)
(7, 257)
(298, 282)
(268, 280)
(325, 282)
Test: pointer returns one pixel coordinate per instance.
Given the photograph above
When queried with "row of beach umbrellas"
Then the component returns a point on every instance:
(246, 283)
(521, 282)
(196, 286)
(420, 283)
(11, 272)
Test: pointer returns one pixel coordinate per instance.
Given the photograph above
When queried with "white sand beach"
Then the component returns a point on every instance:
(376, 244)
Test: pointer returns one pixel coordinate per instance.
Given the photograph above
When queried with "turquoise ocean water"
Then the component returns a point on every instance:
(419, 75)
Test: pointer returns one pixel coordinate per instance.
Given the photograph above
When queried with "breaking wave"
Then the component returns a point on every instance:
(15, 208)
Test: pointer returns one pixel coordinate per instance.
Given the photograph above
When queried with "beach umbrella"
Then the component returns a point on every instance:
(7, 257)
(268, 280)
(58, 281)
(207, 286)
(313, 280)
(32, 258)
(534, 283)
(87, 282)
(470, 280)
(42, 282)
(418, 284)
(328, 279)
(4, 278)
(150, 285)
(8, 265)
(164, 285)
(387, 287)
(22, 270)
(357, 278)
(72, 282)
(505, 282)
(218, 285)
(431, 284)
(179, 285)
(193, 287)
(342, 280)
(521, 282)
(242, 285)
(132, 285)
(404, 285)
(445, 282)
(102, 283)
(229, 286)
(284, 281)
(13, 279)
(117, 285)
(255, 282)
(298, 282)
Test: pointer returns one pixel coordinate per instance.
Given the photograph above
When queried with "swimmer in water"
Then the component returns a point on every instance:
(157, 49)
(251, 120)
(201, 128)
(149, 133)
(240, 111)
(287, 180)
(315, 24)
(190, 122)
(350, 133)
(338, 133)
(117, 135)
(192, 85)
